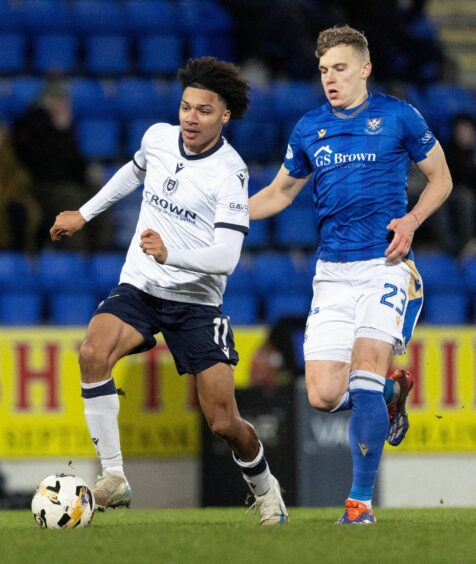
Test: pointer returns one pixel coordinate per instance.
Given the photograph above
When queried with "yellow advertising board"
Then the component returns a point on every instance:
(41, 411)
(442, 404)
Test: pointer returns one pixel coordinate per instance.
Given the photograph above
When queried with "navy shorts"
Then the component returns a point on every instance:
(198, 336)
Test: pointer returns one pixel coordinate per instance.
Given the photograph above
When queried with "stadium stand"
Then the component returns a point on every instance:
(120, 59)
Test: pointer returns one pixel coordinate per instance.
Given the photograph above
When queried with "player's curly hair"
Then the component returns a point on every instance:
(218, 76)
(342, 35)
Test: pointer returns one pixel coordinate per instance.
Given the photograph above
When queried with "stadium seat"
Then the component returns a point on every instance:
(256, 140)
(241, 308)
(71, 308)
(219, 45)
(92, 98)
(280, 271)
(296, 227)
(24, 91)
(46, 16)
(261, 102)
(99, 138)
(105, 271)
(258, 235)
(145, 98)
(64, 270)
(152, 16)
(10, 18)
(241, 280)
(208, 16)
(12, 52)
(107, 54)
(160, 53)
(17, 272)
(55, 52)
(445, 308)
(469, 270)
(103, 17)
(439, 272)
(283, 304)
(292, 99)
(21, 308)
(135, 130)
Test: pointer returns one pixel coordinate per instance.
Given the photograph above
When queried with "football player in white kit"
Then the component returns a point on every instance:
(193, 219)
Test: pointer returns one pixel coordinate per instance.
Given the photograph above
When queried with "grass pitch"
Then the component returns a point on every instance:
(229, 536)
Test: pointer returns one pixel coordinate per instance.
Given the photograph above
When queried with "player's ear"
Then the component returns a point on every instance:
(226, 116)
(366, 69)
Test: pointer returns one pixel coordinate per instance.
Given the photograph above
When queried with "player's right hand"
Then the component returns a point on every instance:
(66, 224)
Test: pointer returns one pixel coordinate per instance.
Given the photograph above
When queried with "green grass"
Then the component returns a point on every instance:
(229, 536)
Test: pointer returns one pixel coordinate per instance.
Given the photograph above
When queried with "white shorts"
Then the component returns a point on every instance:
(373, 298)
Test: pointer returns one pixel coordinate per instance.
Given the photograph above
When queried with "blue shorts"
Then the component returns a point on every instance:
(198, 336)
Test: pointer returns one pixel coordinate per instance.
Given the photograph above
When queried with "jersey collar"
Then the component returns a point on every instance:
(352, 112)
(198, 156)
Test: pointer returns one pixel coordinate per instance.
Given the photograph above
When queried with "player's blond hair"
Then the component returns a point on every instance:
(342, 35)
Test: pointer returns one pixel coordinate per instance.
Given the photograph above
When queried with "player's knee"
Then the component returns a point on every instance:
(222, 426)
(321, 401)
(93, 362)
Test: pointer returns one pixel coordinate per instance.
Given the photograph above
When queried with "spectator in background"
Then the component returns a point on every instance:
(45, 140)
(19, 211)
(453, 223)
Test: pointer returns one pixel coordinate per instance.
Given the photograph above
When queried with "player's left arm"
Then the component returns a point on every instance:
(437, 190)
(219, 258)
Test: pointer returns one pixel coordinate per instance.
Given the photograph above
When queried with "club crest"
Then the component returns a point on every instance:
(374, 125)
(170, 186)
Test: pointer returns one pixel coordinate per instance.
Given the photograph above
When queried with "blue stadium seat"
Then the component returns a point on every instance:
(294, 98)
(105, 16)
(241, 280)
(92, 98)
(10, 18)
(46, 16)
(17, 272)
(280, 271)
(207, 16)
(445, 308)
(135, 130)
(145, 98)
(21, 308)
(24, 91)
(160, 53)
(296, 227)
(12, 52)
(105, 270)
(440, 272)
(152, 16)
(65, 271)
(241, 308)
(107, 54)
(71, 308)
(258, 235)
(255, 139)
(469, 270)
(261, 102)
(99, 138)
(217, 45)
(55, 52)
(283, 304)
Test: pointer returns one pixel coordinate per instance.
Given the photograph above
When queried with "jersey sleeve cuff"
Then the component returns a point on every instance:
(233, 226)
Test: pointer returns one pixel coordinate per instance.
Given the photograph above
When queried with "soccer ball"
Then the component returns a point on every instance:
(63, 501)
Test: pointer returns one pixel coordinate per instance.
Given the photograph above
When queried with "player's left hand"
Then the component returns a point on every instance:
(403, 228)
(151, 243)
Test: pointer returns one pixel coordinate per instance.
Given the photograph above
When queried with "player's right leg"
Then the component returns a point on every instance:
(108, 339)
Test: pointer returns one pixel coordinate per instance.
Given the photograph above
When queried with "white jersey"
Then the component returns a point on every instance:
(185, 197)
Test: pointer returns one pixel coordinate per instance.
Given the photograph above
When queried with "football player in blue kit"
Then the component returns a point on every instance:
(367, 293)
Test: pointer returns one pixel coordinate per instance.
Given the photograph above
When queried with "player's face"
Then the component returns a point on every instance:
(202, 116)
(344, 76)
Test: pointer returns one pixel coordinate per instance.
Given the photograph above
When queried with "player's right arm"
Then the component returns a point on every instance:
(126, 180)
(276, 196)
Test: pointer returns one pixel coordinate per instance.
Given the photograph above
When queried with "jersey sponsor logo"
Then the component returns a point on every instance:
(374, 125)
(179, 167)
(427, 137)
(289, 152)
(325, 157)
(238, 207)
(170, 208)
(321, 133)
(170, 185)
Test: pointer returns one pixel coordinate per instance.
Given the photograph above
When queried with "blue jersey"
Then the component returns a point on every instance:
(360, 159)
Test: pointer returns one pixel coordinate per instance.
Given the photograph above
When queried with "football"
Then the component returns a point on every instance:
(63, 501)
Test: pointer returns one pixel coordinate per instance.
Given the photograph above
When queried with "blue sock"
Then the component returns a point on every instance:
(344, 404)
(388, 390)
(368, 431)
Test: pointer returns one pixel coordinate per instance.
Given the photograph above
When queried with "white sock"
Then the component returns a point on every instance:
(101, 414)
(259, 483)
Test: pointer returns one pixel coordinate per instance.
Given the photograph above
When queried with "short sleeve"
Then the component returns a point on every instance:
(418, 138)
(295, 161)
(140, 159)
(232, 202)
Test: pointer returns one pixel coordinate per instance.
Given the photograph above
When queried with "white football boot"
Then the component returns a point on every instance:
(271, 505)
(112, 490)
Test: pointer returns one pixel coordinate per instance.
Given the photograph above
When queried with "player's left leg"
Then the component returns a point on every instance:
(371, 359)
(216, 393)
